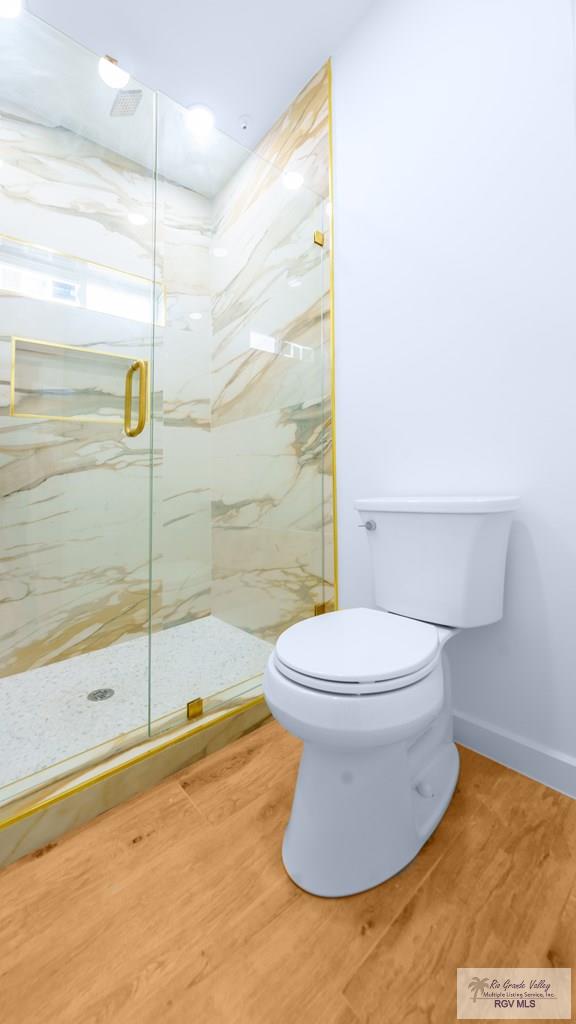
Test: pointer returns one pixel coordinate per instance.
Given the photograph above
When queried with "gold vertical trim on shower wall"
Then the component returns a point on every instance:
(332, 332)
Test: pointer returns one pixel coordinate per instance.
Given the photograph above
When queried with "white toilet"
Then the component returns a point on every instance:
(368, 694)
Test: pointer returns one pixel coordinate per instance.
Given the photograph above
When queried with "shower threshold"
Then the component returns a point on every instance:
(50, 729)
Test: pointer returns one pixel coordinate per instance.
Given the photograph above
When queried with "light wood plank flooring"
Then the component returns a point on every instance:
(175, 907)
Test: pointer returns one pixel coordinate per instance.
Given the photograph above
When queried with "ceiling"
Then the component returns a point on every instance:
(240, 57)
(52, 81)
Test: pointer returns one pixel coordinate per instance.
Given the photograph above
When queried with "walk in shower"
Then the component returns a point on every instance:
(166, 486)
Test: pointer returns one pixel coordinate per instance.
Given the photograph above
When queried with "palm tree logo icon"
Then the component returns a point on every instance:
(477, 985)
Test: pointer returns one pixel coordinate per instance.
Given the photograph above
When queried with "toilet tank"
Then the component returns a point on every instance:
(440, 560)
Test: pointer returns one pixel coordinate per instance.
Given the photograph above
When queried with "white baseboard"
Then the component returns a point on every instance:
(544, 764)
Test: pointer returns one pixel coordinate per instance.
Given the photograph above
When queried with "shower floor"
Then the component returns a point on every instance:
(46, 716)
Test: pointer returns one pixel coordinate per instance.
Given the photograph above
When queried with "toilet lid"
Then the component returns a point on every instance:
(357, 645)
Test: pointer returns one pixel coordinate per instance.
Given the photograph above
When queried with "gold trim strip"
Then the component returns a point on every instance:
(72, 348)
(77, 259)
(41, 805)
(12, 406)
(332, 332)
(215, 704)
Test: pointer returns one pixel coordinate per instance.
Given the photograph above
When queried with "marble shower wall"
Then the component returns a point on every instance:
(272, 499)
(240, 435)
(75, 494)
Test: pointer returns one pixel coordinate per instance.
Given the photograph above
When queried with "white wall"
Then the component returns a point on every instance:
(455, 220)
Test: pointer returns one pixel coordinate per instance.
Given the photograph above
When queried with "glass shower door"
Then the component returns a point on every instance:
(242, 427)
(78, 303)
(165, 476)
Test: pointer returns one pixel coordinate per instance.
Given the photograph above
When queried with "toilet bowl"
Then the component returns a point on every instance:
(361, 812)
(368, 693)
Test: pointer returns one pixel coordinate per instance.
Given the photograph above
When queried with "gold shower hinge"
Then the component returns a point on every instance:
(326, 606)
(318, 238)
(194, 708)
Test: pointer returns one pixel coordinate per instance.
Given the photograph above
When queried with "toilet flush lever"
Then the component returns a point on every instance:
(368, 525)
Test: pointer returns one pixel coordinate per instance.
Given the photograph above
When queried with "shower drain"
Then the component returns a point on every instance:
(100, 694)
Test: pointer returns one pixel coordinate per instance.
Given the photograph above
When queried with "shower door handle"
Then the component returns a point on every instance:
(138, 366)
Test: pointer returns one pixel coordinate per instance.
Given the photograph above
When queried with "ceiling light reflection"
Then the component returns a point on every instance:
(10, 8)
(111, 73)
(292, 180)
(200, 121)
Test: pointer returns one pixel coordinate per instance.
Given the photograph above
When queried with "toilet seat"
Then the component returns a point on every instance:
(358, 651)
(346, 721)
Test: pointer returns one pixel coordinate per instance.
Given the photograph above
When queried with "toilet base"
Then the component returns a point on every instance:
(359, 817)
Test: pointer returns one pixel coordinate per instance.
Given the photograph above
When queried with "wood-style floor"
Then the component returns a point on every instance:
(175, 907)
